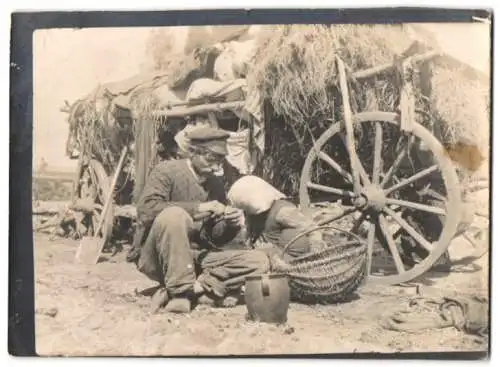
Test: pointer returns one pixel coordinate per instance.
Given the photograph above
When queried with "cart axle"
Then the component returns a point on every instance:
(376, 197)
(372, 197)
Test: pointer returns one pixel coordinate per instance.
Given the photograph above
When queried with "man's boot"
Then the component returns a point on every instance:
(159, 299)
(133, 254)
(180, 303)
(230, 300)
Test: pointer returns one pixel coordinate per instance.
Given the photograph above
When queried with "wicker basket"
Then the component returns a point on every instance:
(330, 275)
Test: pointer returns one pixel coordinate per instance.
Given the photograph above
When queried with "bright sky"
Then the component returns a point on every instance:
(469, 43)
(69, 63)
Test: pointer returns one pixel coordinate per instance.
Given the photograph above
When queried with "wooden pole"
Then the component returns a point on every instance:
(199, 109)
(368, 73)
(348, 123)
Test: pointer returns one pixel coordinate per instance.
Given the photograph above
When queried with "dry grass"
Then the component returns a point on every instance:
(295, 71)
(463, 104)
(95, 131)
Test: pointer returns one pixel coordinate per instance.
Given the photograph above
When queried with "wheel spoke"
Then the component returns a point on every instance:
(364, 176)
(371, 245)
(377, 154)
(330, 190)
(93, 178)
(358, 166)
(329, 160)
(397, 162)
(332, 218)
(358, 223)
(409, 229)
(427, 191)
(384, 228)
(412, 179)
(398, 233)
(417, 206)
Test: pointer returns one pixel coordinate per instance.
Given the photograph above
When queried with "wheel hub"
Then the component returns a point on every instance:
(375, 197)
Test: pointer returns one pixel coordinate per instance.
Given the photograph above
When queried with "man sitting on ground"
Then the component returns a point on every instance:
(177, 247)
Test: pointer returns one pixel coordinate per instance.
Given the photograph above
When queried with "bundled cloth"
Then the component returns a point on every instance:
(240, 155)
(234, 61)
(468, 314)
(207, 89)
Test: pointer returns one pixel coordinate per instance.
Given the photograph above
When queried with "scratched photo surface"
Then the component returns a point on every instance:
(253, 190)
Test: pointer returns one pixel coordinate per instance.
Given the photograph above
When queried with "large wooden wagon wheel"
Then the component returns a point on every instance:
(391, 167)
(92, 188)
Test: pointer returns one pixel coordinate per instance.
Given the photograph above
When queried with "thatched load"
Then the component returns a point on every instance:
(289, 73)
(295, 70)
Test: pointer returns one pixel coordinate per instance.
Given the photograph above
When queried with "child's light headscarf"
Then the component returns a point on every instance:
(253, 195)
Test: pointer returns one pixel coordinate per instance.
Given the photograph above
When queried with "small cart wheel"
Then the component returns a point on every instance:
(94, 187)
(391, 210)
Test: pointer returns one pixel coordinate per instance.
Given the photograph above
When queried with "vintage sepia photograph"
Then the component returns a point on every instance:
(253, 190)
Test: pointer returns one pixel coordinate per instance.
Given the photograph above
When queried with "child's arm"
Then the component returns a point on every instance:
(292, 217)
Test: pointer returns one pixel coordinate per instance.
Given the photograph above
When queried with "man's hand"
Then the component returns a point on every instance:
(233, 216)
(214, 207)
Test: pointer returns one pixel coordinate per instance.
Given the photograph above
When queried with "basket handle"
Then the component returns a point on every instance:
(302, 234)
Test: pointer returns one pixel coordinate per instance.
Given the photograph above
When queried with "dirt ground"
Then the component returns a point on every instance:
(95, 310)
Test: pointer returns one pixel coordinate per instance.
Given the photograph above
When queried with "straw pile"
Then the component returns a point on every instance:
(296, 69)
(93, 124)
(463, 102)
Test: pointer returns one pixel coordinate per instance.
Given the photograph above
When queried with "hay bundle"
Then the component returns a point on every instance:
(462, 102)
(295, 65)
(96, 134)
(295, 71)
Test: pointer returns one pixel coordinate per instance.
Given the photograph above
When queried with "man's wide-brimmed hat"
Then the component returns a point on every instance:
(213, 139)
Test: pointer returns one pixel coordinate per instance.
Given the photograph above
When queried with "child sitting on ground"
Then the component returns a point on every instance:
(272, 220)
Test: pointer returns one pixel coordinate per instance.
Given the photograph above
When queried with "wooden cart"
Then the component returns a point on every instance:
(375, 195)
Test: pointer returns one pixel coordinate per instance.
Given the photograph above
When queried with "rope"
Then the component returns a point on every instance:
(412, 321)
(468, 314)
